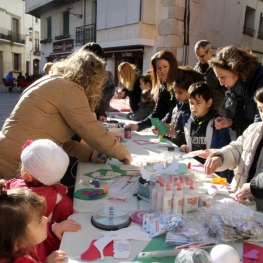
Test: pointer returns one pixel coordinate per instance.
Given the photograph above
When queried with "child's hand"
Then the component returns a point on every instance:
(172, 132)
(119, 95)
(134, 127)
(56, 257)
(184, 148)
(154, 130)
(206, 153)
(65, 226)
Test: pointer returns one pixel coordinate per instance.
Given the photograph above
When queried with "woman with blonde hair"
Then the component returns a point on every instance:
(129, 77)
(164, 71)
(57, 106)
(240, 72)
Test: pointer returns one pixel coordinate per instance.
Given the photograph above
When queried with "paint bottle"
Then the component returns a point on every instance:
(178, 200)
(159, 198)
(190, 201)
(167, 200)
(154, 194)
(127, 133)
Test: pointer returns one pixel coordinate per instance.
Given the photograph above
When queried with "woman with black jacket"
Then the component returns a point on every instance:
(165, 71)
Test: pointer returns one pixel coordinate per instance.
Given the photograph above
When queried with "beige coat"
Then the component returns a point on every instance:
(240, 154)
(54, 109)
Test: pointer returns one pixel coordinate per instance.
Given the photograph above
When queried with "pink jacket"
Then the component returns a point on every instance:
(61, 210)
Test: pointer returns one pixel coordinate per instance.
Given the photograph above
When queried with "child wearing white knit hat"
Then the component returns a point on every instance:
(43, 165)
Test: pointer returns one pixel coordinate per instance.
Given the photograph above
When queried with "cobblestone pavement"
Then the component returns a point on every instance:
(7, 103)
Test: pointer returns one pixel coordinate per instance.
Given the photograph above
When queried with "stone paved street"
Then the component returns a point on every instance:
(7, 103)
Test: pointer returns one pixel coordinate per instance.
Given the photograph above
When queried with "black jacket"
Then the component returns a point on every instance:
(165, 104)
(134, 95)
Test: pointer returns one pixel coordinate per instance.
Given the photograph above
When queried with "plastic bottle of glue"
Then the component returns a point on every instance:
(167, 200)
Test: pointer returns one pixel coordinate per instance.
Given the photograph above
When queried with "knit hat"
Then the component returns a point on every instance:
(44, 160)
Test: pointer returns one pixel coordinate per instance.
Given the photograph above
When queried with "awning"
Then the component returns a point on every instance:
(59, 55)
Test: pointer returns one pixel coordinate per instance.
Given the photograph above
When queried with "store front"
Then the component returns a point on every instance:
(61, 49)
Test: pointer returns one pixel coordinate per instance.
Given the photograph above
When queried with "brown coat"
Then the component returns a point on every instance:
(54, 109)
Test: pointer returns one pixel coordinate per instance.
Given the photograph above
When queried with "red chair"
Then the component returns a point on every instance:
(22, 84)
(9, 86)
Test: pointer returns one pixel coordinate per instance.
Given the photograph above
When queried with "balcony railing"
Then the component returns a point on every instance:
(85, 34)
(248, 31)
(12, 36)
(62, 36)
(36, 51)
(260, 35)
(47, 40)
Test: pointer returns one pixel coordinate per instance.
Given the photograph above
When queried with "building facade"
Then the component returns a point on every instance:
(135, 30)
(19, 40)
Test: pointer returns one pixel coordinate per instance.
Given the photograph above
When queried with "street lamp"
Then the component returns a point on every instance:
(69, 5)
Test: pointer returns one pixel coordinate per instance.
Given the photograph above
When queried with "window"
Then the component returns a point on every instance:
(260, 29)
(249, 21)
(15, 31)
(36, 20)
(49, 27)
(17, 61)
(66, 23)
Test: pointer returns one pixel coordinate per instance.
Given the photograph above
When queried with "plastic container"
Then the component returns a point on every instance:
(159, 198)
(178, 200)
(167, 200)
(190, 201)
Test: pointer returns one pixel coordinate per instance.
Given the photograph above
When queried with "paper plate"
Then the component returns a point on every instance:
(89, 194)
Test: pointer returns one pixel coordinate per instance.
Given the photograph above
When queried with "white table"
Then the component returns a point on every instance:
(83, 209)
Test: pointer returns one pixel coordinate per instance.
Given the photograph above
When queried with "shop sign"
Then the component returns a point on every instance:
(63, 46)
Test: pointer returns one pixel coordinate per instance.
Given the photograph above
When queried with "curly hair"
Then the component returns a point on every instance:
(241, 61)
(85, 69)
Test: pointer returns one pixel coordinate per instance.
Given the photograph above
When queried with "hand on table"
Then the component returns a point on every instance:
(127, 159)
(102, 118)
(184, 148)
(154, 130)
(119, 95)
(56, 257)
(222, 122)
(65, 226)
(117, 136)
(243, 193)
(211, 164)
(206, 153)
(172, 132)
(134, 127)
(96, 156)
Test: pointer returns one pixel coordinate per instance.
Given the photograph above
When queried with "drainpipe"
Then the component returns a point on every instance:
(186, 32)
(84, 12)
(31, 62)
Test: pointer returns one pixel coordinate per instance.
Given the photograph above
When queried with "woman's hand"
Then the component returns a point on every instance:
(56, 257)
(96, 156)
(211, 164)
(102, 118)
(184, 148)
(134, 127)
(243, 193)
(222, 122)
(154, 130)
(206, 153)
(127, 159)
(65, 226)
(117, 136)
(172, 132)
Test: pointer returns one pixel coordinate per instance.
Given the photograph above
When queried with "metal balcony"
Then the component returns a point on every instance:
(12, 36)
(85, 34)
